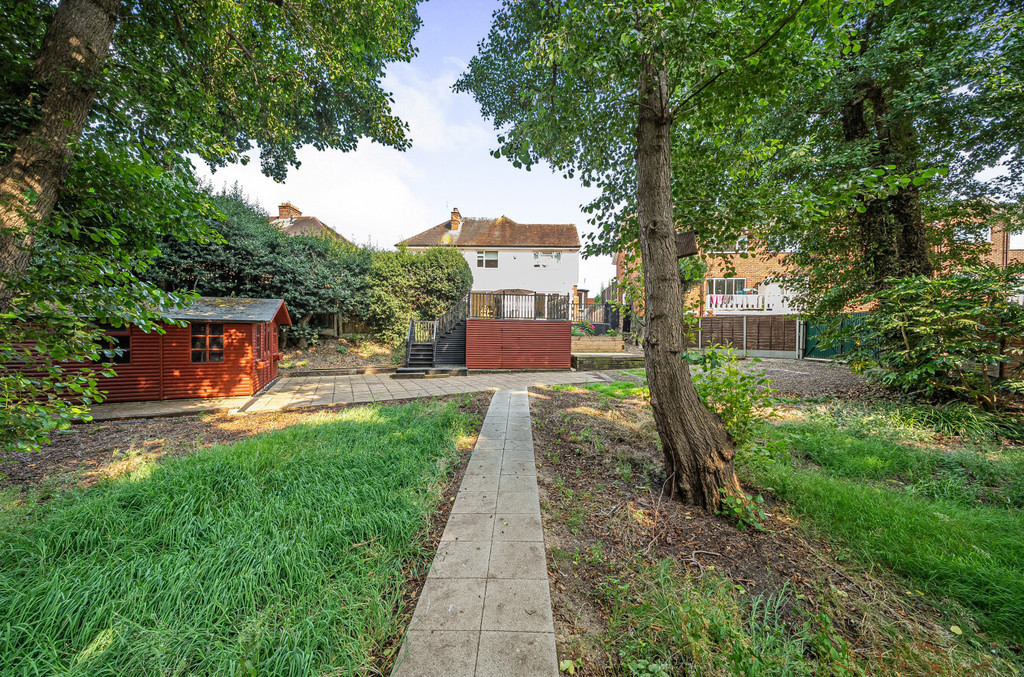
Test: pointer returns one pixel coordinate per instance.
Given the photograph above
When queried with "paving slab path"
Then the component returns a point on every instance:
(485, 608)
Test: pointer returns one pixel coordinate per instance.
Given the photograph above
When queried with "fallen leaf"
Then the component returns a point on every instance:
(955, 629)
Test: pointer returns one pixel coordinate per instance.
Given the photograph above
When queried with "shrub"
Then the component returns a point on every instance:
(403, 285)
(953, 337)
(729, 391)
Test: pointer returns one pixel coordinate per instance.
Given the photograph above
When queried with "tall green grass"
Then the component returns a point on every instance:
(968, 475)
(279, 555)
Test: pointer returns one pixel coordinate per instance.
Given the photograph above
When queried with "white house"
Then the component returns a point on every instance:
(503, 254)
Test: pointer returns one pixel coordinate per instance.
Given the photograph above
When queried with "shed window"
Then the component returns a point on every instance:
(727, 285)
(207, 342)
(116, 345)
(487, 259)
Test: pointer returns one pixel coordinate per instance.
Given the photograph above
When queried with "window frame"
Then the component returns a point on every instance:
(712, 283)
(484, 258)
(116, 338)
(206, 350)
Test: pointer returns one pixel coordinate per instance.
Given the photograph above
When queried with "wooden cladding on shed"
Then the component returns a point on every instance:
(517, 344)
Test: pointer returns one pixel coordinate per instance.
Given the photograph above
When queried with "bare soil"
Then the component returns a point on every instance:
(602, 501)
(341, 354)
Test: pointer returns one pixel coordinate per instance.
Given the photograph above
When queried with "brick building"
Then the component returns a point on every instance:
(738, 284)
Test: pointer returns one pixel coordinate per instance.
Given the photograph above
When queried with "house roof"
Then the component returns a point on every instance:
(307, 225)
(501, 232)
(231, 309)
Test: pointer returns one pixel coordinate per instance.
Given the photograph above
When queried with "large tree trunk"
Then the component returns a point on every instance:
(698, 450)
(71, 57)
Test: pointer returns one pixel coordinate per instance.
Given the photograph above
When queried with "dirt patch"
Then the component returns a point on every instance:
(806, 378)
(341, 354)
(601, 488)
(85, 454)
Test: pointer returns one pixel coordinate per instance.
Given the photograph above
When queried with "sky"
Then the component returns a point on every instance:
(381, 196)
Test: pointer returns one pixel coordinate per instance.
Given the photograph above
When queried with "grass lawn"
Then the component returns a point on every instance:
(286, 553)
(946, 516)
(890, 546)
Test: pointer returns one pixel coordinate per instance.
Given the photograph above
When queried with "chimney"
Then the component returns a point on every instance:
(287, 211)
(456, 219)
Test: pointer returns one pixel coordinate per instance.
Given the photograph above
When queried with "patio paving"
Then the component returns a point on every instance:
(315, 391)
(485, 608)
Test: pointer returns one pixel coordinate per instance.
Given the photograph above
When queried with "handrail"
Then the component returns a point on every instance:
(408, 342)
(452, 316)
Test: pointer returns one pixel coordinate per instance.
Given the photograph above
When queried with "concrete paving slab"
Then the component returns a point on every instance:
(450, 604)
(475, 501)
(480, 483)
(462, 559)
(438, 653)
(521, 654)
(517, 605)
(517, 559)
(518, 502)
(490, 567)
(469, 526)
(517, 527)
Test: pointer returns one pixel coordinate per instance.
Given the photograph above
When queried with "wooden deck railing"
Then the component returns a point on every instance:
(501, 306)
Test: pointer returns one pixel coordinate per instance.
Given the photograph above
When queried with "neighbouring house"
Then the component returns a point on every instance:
(505, 255)
(228, 347)
(749, 278)
(290, 221)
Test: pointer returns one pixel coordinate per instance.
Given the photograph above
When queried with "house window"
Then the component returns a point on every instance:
(546, 259)
(727, 285)
(487, 259)
(207, 342)
(116, 339)
(973, 235)
(740, 246)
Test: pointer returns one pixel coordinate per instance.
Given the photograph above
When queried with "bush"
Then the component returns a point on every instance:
(403, 285)
(942, 338)
(729, 391)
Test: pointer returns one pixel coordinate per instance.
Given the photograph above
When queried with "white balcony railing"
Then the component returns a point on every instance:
(769, 304)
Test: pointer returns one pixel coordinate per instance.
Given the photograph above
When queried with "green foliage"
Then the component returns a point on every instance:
(870, 444)
(403, 285)
(744, 509)
(212, 79)
(947, 520)
(583, 330)
(254, 259)
(734, 393)
(85, 270)
(940, 338)
(218, 79)
(663, 622)
(283, 554)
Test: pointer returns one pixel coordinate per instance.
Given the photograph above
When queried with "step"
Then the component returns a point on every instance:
(429, 372)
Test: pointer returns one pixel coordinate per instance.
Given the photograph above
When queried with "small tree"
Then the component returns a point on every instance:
(958, 336)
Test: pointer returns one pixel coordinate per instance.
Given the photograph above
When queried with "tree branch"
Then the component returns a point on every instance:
(694, 92)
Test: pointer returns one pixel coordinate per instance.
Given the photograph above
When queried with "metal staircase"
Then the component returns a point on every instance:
(440, 343)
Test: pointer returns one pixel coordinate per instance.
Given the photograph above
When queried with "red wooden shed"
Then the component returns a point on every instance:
(228, 348)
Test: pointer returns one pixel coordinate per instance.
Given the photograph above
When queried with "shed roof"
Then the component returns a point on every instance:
(500, 232)
(231, 309)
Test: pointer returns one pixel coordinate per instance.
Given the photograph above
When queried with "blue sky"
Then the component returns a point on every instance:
(381, 196)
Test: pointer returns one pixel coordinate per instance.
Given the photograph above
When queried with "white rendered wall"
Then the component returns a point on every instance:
(516, 270)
